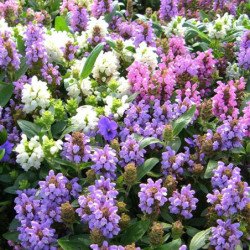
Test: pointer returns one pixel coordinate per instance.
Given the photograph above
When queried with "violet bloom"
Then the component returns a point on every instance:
(107, 128)
(38, 236)
(54, 188)
(168, 9)
(9, 56)
(226, 235)
(105, 161)
(244, 52)
(184, 202)
(51, 74)
(172, 163)
(223, 173)
(131, 152)
(36, 53)
(245, 120)
(8, 147)
(152, 196)
(79, 18)
(231, 199)
(76, 148)
(106, 246)
(69, 51)
(101, 7)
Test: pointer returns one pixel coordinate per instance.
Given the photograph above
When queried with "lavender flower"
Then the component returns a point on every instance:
(172, 163)
(8, 147)
(76, 148)
(183, 202)
(101, 7)
(105, 161)
(131, 152)
(244, 52)
(79, 18)
(51, 74)
(223, 174)
(152, 196)
(226, 235)
(36, 53)
(107, 128)
(9, 56)
(168, 9)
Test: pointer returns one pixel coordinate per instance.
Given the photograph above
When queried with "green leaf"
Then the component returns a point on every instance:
(183, 120)
(148, 141)
(89, 64)
(199, 240)
(146, 167)
(210, 167)
(77, 242)
(6, 91)
(191, 231)
(165, 215)
(23, 68)
(11, 190)
(2, 152)
(194, 29)
(29, 128)
(57, 128)
(175, 144)
(135, 232)
(248, 148)
(173, 245)
(132, 97)
(13, 236)
(61, 24)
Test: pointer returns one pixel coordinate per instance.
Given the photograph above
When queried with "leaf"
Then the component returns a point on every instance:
(210, 167)
(61, 24)
(58, 127)
(77, 242)
(175, 144)
(23, 68)
(132, 97)
(29, 128)
(194, 29)
(68, 130)
(146, 167)
(148, 141)
(203, 188)
(13, 236)
(199, 240)
(191, 231)
(6, 91)
(173, 245)
(11, 190)
(248, 148)
(14, 224)
(183, 120)
(165, 215)
(89, 64)
(135, 232)
(2, 152)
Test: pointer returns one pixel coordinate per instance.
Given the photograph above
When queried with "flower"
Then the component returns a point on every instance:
(226, 235)
(168, 9)
(107, 128)
(183, 202)
(152, 196)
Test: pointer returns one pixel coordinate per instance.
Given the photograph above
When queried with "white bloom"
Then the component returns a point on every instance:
(115, 106)
(86, 87)
(100, 23)
(124, 87)
(54, 42)
(126, 54)
(55, 148)
(146, 55)
(233, 71)
(82, 40)
(35, 95)
(219, 28)
(29, 153)
(73, 90)
(86, 3)
(176, 27)
(106, 66)
(86, 119)
(243, 19)
(4, 26)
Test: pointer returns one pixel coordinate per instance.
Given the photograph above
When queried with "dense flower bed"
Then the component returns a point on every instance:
(123, 126)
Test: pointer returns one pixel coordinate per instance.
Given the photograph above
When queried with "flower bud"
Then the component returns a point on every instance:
(198, 168)
(177, 229)
(168, 133)
(115, 145)
(124, 221)
(67, 213)
(130, 8)
(170, 184)
(206, 110)
(130, 174)
(131, 247)
(121, 206)
(90, 176)
(149, 12)
(156, 234)
(96, 237)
